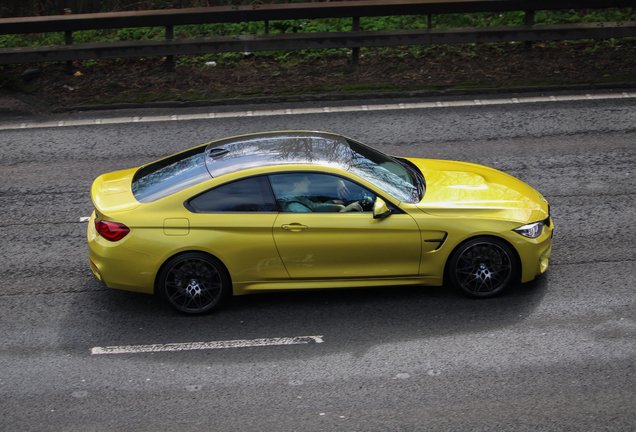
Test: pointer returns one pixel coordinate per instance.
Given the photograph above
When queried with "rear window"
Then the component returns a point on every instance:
(170, 175)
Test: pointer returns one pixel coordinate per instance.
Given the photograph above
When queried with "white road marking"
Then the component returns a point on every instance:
(85, 219)
(293, 111)
(192, 346)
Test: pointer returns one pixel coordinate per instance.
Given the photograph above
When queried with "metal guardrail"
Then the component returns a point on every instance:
(273, 42)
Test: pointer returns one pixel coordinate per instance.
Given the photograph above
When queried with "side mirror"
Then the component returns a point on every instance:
(380, 209)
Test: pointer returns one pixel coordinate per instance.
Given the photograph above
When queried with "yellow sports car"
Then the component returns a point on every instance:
(307, 210)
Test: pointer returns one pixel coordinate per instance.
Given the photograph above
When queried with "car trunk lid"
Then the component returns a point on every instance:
(112, 192)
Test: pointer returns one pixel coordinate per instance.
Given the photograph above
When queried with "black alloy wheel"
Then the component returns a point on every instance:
(193, 283)
(482, 267)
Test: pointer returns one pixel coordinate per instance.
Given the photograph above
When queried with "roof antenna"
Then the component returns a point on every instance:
(217, 153)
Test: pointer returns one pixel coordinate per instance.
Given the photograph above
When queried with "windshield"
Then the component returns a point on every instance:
(398, 180)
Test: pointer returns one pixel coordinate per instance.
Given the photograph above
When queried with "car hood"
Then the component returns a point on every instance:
(463, 189)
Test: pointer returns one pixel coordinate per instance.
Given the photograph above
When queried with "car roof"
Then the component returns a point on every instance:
(277, 148)
(233, 155)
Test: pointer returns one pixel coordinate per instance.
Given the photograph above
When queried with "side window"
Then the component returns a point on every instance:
(311, 192)
(249, 195)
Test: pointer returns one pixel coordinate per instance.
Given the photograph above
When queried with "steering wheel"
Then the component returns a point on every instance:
(362, 197)
(366, 201)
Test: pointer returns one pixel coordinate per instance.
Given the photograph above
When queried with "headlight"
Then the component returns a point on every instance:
(532, 230)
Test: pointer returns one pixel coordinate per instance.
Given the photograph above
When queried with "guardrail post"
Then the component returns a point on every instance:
(355, 52)
(170, 58)
(430, 20)
(170, 36)
(267, 27)
(68, 40)
(529, 23)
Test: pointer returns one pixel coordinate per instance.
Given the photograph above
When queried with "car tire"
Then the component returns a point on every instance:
(483, 267)
(193, 283)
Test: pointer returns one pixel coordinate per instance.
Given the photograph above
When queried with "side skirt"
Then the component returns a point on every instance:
(243, 288)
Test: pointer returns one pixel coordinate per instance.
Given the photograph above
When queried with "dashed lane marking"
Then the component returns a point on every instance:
(322, 110)
(193, 346)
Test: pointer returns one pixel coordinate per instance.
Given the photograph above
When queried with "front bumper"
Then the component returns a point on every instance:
(535, 253)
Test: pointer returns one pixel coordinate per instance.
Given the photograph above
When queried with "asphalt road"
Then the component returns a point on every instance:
(558, 353)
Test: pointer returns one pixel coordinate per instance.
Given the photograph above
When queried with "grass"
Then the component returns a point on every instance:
(284, 65)
(367, 87)
(16, 84)
(291, 58)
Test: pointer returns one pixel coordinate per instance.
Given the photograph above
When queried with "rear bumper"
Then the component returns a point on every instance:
(119, 265)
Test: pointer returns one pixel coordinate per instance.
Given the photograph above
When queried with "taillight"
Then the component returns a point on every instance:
(112, 231)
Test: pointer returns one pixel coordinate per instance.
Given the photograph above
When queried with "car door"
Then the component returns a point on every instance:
(322, 243)
(234, 223)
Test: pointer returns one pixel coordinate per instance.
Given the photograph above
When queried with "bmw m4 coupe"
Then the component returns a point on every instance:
(309, 210)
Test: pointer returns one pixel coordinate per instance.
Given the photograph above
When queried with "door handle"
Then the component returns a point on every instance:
(294, 227)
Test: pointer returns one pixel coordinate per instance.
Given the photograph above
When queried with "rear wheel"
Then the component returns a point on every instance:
(482, 267)
(193, 283)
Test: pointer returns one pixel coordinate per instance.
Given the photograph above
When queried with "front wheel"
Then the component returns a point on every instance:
(482, 267)
(193, 283)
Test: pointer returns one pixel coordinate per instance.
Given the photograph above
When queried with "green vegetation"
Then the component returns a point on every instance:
(16, 84)
(290, 58)
(291, 73)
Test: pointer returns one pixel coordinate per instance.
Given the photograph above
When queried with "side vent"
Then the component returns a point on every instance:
(438, 242)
